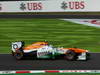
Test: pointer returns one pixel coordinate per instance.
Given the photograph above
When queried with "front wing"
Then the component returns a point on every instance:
(82, 56)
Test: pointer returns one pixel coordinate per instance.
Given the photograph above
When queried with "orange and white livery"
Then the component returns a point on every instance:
(44, 50)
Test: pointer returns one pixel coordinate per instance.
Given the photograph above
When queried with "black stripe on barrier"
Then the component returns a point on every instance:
(49, 16)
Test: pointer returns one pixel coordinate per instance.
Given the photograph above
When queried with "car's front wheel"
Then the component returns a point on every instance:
(87, 56)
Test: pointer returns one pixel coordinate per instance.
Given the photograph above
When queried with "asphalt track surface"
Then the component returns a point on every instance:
(8, 62)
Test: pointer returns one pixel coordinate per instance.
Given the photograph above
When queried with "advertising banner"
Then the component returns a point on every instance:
(51, 6)
(88, 22)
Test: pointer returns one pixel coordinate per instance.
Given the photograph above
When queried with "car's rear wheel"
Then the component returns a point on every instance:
(18, 55)
(12, 53)
(70, 55)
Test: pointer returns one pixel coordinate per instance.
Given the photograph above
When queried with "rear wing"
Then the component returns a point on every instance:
(17, 45)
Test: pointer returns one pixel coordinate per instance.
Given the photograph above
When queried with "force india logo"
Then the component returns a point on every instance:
(73, 5)
(31, 6)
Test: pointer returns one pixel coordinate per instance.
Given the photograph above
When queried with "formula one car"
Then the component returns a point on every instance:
(44, 50)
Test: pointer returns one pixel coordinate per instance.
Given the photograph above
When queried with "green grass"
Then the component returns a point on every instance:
(57, 32)
(57, 74)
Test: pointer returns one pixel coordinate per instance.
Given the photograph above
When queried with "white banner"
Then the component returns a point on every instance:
(51, 6)
(88, 22)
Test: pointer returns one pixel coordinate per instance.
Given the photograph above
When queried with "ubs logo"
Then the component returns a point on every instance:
(23, 6)
(73, 5)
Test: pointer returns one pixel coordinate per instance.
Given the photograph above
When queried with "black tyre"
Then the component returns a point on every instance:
(18, 55)
(12, 53)
(87, 56)
(70, 55)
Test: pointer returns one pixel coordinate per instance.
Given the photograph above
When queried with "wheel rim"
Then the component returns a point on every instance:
(70, 56)
(19, 55)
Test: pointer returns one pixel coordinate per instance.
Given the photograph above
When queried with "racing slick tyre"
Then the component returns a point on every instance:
(12, 53)
(87, 56)
(18, 55)
(70, 55)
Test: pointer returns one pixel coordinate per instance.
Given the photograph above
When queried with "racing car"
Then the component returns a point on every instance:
(44, 50)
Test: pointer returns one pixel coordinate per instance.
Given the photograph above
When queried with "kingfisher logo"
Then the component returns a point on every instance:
(73, 5)
(0, 7)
